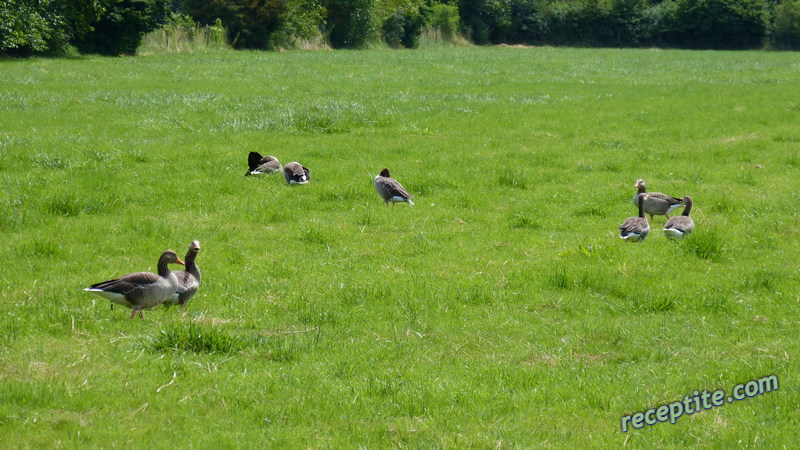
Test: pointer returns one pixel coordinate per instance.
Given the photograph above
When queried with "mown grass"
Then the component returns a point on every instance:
(501, 310)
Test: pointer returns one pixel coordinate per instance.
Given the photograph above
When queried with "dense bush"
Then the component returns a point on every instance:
(350, 22)
(721, 24)
(250, 23)
(485, 21)
(444, 19)
(305, 20)
(786, 26)
(122, 26)
(26, 29)
(38, 26)
(403, 27)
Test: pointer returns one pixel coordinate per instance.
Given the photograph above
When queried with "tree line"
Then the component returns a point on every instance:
(114, 27)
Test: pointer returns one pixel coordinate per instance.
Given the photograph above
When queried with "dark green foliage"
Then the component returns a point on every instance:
(485, 21)
(29, 26)
(250, 23)
(786, 25)
(349, 22)
(403, 27)
(721, 24)
(122, 26)
(304, 20)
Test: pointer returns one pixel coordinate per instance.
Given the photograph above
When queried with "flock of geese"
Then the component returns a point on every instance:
(636, 229)
(144, 290)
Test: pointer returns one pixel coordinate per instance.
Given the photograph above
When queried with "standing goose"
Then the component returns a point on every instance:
(635, 229)
(679, 226)
(656, 203)
(258, 164)
(390, 190)
(189, 279)
(141, 290)
(296, 173)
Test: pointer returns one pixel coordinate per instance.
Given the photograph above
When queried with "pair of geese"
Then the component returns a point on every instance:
(144, 290)
(636, 229)
(293, 173)
(387, 187)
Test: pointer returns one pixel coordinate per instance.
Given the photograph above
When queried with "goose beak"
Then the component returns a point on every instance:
(180, 261)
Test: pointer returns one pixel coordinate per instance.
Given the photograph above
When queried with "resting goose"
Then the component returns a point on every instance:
(390, 190)
(296, 173)
(679, 226)
(258, 164)
(141, 290)
(656, 203)
(189, 279)
(635, 229)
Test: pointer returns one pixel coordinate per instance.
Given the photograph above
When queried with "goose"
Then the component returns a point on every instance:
(141, 290)
(390, 190)
(656, 203)
(258, 164)
(189, 279)
(679, 226)
(635, 229)
(296, 173)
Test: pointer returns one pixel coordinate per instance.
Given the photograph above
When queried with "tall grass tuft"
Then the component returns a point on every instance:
(197, 339)
(182, 35)
(706, 244)
(558, 278)
(513, 179)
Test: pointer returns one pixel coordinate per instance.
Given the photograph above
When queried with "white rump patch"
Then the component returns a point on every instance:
(673, 233)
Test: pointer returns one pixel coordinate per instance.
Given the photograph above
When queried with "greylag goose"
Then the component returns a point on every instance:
(656, 203)
(258, 164)
(296, 173)
(635, 229)
(141, 290)
(679, 226)
(390, 190)
(189, 279)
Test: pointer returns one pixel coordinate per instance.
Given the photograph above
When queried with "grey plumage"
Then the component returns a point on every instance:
(189, 279)
(390, 189)
(656, 203)
(258, 164)
(141, 290)
(296, 173)
(680, 226)
(636, 229)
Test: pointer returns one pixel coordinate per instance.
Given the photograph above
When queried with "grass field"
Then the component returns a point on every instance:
(500, 311)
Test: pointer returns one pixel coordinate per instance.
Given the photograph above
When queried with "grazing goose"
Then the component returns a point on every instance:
(635, 229)
(390, 190)
(141, 290)
(656, 203)
(296, 173)
(679, 226)
(258, 164)
(189, 279)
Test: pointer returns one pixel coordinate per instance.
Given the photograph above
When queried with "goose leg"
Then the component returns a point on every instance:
(133, 313)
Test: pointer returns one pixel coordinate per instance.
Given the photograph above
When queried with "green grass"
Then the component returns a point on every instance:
(500, 311)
